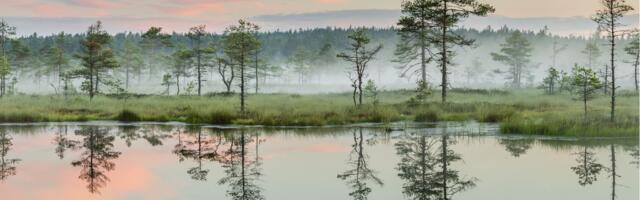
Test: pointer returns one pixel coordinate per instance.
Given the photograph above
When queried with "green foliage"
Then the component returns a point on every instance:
(421, 93)
(127, 116)
(550, 82)
(585, 83)
(371, 91)
(516, 53)
(239, 43)
(96, 57)
(359, 56)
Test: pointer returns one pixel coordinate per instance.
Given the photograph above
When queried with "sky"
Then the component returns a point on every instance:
(49, 16)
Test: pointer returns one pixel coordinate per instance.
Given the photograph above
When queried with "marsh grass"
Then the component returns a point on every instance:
(526, 112)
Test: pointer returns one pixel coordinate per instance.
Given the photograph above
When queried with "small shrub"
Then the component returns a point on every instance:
(127, 116)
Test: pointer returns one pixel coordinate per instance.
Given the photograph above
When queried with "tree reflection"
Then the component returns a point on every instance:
(7, 165)
(634, 152)
(359, 174)
(242, 173)
(416, 166)
(517, 147)
(96, 159)
(612, 172)
(425, 166)
(200, 148)
(132, 133)
(63, 142)
(587, 168)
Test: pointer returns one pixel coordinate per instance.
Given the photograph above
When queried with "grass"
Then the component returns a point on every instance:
(522, 112)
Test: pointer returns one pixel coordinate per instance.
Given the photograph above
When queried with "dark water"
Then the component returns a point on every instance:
(459, 161)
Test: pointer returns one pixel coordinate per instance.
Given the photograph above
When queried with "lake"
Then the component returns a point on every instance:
(462, 161)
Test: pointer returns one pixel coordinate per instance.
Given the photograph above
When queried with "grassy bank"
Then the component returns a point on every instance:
(526, 112)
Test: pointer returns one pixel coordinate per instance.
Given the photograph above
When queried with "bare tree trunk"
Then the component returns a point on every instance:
(444, 53)
(613, 68)
(242, 84)
(199, 72)
(177, 85)
(444, 167)
(613, 172)
(635, 69)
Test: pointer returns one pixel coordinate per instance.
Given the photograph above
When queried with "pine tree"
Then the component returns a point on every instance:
(446, 14)
(550, 83)
(633, 49)
(360, 56)
(239, 43)
(515, 52)
(585, 83)
(58, 59)
(131, 60)
(95, 57)
(5, 70)
(414, 28)
(592, 52)
(608, 20)
(6, 31)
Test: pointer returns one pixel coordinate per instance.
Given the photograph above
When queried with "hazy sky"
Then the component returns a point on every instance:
(176, 14)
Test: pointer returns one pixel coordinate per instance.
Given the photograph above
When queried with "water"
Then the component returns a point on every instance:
(174, 161)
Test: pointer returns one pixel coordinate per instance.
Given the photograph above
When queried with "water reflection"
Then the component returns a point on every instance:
(228, 163)
(63, 142)
(359, 173)
(241, 172)
(612, 172)
(132, 133)
(97, 157)
(198, 147)
(517, 146)
(588, 168)
(426, 167)
(7, 165)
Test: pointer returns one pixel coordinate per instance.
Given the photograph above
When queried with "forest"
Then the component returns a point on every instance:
(424, 69)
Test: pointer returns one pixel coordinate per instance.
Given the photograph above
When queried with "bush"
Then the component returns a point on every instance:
(128, 116)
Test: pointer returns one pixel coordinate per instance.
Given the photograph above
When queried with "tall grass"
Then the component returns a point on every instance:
(526, 112)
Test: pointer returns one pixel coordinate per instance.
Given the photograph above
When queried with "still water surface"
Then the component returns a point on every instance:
(421, 161)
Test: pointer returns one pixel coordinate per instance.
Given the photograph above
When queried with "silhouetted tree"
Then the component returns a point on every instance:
(63, 142)
(239, 43)
(608, 20)
(416, 166)
(360, 56)
(360, 173)
(95, 57)
(447, 181)
(7, 165)
(199, 50)
(199, 148)
(96, 158)
(414, 27)
(446, 14)
(588, 168)
(241, 172)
